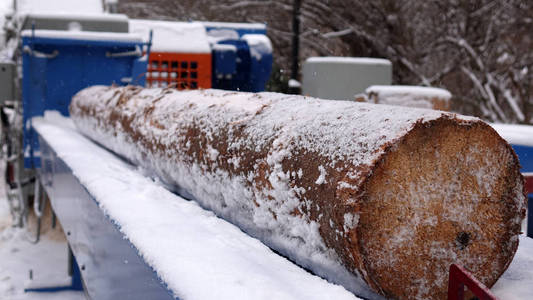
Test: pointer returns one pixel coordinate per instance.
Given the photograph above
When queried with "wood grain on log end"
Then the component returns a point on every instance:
(446, 193)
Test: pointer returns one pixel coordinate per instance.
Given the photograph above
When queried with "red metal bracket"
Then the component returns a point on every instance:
(459, 277)
(528, 178)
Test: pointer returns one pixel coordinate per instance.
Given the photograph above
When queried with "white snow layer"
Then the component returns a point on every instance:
(225, 47)
(403, 95)
(216, 35)
(174, 37)
(79, 15)
(83, 35)
(350, 60)
(414, 91)
(198, 255)
(54, 6)
(230, 25)
(286, 126)
(260, 41)
(515, 134)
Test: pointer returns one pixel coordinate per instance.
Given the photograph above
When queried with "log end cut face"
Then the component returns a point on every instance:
(448, 192)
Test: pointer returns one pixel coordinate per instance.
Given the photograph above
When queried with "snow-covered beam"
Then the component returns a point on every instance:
(197, 255)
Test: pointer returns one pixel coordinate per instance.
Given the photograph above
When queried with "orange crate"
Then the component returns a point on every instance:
(182, 70)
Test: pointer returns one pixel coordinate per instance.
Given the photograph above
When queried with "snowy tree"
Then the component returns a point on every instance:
(479, 49)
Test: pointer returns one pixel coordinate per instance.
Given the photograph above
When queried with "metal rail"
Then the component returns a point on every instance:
(137, 52)
(30, 51)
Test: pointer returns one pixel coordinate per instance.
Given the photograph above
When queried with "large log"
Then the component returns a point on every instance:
(364, 195)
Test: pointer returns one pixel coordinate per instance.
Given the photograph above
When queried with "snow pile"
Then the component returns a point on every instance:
(517, 282)
(259, 45)
(293, 83)
(175, 37)
(198, 255)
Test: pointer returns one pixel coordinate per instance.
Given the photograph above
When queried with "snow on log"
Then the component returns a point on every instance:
(363, 195)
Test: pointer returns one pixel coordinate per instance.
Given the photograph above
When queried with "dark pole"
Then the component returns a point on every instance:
(295, 44)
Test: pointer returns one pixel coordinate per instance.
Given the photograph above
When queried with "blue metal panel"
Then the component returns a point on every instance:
(260, 68)
(525, 155)
(224, 63)
(240, 81)
(110, 265)
(50, 81)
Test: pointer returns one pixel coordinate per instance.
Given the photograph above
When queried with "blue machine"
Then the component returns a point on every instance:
(243, 60)
(58, 64)
(55, 68)
(525, 155)
(246, 68)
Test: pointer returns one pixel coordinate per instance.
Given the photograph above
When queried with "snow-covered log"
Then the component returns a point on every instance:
(363, 195)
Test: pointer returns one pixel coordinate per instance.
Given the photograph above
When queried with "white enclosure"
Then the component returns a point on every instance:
(340, 78)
